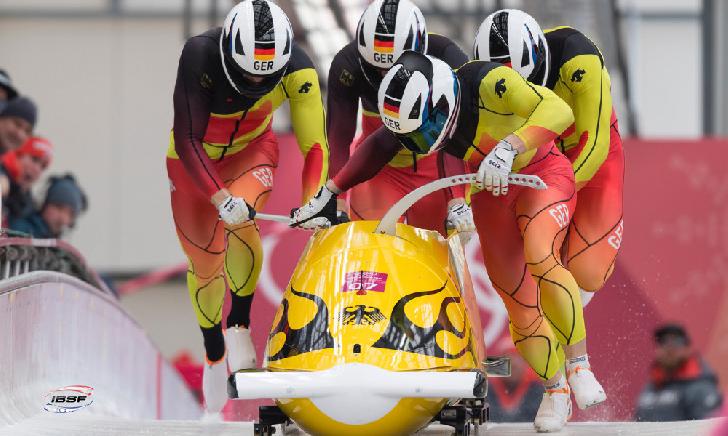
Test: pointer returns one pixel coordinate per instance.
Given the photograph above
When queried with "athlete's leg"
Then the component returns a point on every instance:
(431, 211)
(595, 233)
(201, 235)
(502, 246)
(371, 200)
(248, 174)
(543, 218)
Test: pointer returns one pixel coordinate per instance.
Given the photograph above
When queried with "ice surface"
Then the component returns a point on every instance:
(44, 425)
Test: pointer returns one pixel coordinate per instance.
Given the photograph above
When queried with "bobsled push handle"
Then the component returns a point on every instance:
(388, 224)
(269, 217)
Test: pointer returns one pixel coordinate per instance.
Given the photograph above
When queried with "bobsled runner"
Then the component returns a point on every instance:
(378, 333)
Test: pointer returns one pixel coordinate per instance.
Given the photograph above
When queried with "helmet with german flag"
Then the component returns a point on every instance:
(514, 38)
(386, 29)
(419, 101)
(255, 46)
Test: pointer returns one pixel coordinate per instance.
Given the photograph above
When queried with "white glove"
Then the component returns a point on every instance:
(495, 168)
(234, 210)
(460, 219)
(320, 211)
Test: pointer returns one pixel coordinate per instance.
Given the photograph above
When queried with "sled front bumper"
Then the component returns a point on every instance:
(357, 377)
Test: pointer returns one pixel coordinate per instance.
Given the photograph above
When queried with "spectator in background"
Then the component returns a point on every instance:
(20, 169)
(17, 121)
(7, 90)
(682, 386)
(515, 398)
(63, 203)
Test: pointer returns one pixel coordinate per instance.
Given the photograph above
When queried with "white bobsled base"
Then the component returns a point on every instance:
(355, 377)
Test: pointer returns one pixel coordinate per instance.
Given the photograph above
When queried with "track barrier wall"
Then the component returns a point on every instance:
(59, 330)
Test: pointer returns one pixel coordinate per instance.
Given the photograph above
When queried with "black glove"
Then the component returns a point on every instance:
(320, 211)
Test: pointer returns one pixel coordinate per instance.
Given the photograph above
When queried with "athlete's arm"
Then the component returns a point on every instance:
(368, 159)
(192, 100)
(449, 165)
(504, 91)
(342, 106)
(309, 123)
(585, 77)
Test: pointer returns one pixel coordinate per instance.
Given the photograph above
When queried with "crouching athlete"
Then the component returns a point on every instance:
(489, 116)
(386, 29)
(566, 61)
(221, 161)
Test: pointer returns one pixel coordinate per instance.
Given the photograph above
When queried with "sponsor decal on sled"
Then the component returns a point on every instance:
(362, 282)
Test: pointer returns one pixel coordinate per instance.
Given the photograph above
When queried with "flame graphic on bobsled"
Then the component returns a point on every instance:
(378, 330)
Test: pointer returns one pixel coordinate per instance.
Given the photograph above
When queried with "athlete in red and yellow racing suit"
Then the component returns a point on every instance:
(578, 75)
(223, 140)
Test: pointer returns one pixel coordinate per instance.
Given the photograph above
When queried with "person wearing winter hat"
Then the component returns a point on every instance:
(20, 169)
(7, 90)
(681, 385)
(17, 121)
(64, 202)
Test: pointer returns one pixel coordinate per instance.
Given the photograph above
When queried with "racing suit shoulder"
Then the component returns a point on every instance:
(566, 43)
(446, 50)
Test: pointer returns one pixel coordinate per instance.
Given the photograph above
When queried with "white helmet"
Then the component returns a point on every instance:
(419, 101)
(386, 29)
(513, 37)
(256, 41)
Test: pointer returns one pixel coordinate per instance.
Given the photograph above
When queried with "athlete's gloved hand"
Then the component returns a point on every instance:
(320, 211)
(493, 171)
(460, 219)
(234, 210)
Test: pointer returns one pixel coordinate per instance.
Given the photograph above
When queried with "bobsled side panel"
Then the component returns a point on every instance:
(390, 301)
(459, 269)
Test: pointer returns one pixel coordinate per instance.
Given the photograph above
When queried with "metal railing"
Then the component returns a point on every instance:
(20, 255)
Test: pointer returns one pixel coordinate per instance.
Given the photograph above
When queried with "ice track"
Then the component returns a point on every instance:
(51, 425)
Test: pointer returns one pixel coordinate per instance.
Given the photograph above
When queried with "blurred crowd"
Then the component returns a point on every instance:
(24, 159)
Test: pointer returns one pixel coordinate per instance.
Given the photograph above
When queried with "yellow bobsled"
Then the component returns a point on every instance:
(378, 333)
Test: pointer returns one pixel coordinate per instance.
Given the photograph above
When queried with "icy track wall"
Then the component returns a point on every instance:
(56, 330)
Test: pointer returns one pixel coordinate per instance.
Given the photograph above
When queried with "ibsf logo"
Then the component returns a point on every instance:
(68, 399)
